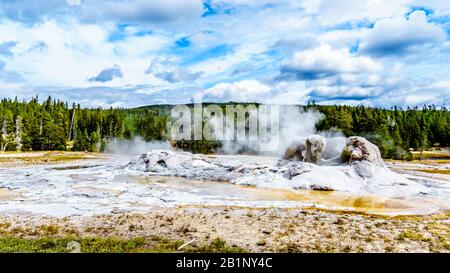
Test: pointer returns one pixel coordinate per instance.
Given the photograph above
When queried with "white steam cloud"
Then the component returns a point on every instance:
(294, 123)
(134, 147)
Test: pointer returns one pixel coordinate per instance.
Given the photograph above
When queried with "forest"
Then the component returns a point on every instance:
(55, 125)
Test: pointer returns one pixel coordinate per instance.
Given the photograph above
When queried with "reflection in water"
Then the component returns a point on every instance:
(327, 199)
(6, 195)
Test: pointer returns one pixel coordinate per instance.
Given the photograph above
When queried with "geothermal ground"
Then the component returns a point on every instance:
(85, 195)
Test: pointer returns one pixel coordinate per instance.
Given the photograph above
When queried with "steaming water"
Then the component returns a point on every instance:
(106, 186)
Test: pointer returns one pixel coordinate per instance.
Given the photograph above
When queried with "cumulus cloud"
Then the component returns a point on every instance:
(418, 93)
(179, 75)
(285, 51)
(299, 43)
(126, 11)
(73, 2)
(152, 11)
(242, 91)
(168, 71)
(335, 12)
(345, 92)
(29, 11)
(439, 7)
(399, 35)
(323, 62)
(351, 87)
(107, 75)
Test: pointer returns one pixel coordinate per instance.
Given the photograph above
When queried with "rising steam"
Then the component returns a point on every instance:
(294, 124)
(136, 146)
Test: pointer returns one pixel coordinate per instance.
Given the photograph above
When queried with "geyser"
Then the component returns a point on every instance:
(360, 149)
(315, 146)
(337, 150)
(349, 164)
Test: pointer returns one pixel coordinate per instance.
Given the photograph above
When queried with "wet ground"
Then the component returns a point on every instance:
(66, 186)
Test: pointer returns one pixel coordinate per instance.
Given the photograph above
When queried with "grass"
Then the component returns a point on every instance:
(437, 242)
(435, 171)
(411, 235)
(47, 157)
(110, 245)
(441, 233)
(216, 246)
(49, 229)
(443, 154)
(59, 245)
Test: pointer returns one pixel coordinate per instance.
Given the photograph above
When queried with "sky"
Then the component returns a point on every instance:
(128, 53)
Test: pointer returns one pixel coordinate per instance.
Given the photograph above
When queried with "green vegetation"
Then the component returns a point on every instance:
(59, 245)
(216, 246)
(53, 125)
(395, 131)
(108, 245)
(411, 235)
(435, 171)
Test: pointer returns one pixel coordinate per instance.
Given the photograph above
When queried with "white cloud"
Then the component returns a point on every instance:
(167, 70)
(90, 11)
(148, 11)
(333, 12)
(332, 92)
(247, 91)
(289, 93)
(73, 2)
(325, 61)
(342, 38)
(75, 52)
(418, 99)
(440, 8)
(400, 35)
(320, 46)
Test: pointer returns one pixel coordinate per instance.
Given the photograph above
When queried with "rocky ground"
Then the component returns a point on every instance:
(254, 230)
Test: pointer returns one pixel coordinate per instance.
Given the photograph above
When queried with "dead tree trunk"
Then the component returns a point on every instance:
(5, 137)
(40, 126)
(18, 138)
(71, 127)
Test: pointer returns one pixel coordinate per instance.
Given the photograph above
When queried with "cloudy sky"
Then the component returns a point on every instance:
(133, 52)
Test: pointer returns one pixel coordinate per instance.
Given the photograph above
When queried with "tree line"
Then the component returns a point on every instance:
(55, 125)
(396, 131)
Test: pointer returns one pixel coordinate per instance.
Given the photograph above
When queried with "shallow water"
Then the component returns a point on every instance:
(325, 199)
(104, 186)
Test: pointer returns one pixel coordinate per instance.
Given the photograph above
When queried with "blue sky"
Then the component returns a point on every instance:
(128, 53)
